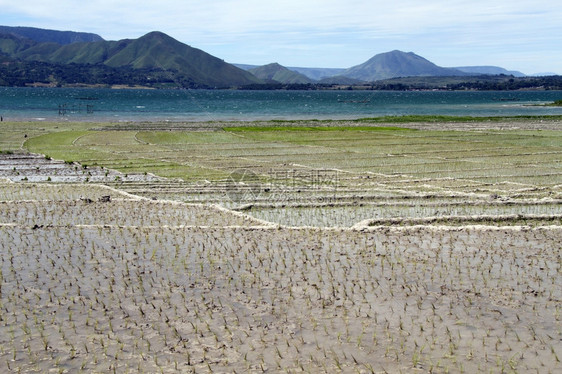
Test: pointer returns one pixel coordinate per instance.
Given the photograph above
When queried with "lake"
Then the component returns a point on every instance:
(89, 104)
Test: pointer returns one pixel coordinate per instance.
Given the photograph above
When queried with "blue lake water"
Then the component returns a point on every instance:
(209, 105)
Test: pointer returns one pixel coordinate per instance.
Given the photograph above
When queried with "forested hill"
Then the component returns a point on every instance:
(154, 59)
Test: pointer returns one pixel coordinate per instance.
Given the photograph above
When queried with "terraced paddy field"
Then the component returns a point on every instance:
(298, 247)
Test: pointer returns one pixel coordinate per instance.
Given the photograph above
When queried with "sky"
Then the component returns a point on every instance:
(523, 35)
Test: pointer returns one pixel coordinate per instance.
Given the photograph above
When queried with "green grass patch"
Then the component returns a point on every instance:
(410, 119)
(111, 138)
(353, 146)
(55, 138)
(58, 145)
(121, 151)
(192, 138)
(434, 118)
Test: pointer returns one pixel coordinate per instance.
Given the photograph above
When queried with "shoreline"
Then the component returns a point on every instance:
(553, 122)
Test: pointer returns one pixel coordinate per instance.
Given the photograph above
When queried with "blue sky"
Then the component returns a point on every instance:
(514, 34)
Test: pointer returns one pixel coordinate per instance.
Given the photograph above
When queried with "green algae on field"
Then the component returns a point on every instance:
(212, 155)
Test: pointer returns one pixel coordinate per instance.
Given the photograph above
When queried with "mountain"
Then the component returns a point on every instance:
(317, 73)
(280, 74)
(31, 56)
(246, 66)
(157, 50)
(184, 66)
(11, 45)
(489, 70)
(341, 80)
(312, 73)
(391, 65)
(397, 64)
(50, 36)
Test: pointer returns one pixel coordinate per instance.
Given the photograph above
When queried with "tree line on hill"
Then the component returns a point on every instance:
(36, 57)
(33, 73)
(477, 83)
(36, 73)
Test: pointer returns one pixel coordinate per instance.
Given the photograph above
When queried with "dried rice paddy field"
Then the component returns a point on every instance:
(429, 247)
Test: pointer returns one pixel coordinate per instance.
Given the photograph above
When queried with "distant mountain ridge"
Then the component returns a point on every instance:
(489, 70)
(318, 73)
(158, 60)
(50, 36)
(277, 73)
(394, 64)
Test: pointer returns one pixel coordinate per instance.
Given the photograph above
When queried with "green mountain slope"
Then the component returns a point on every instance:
(397, 64)
(12, 44)
(50, 36)
(154, 51)
(160, 51)
(38, 52)
(278, 73)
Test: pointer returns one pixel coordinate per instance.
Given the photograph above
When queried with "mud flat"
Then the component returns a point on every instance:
(24, 167)
(416, 249)
(100, 286)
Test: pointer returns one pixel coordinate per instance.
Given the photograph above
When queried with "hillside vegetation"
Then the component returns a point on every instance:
(146, 58)
(36, 57)
(277, 73)
(52, 36)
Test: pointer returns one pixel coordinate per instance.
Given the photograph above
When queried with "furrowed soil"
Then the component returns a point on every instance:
(214, 249)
